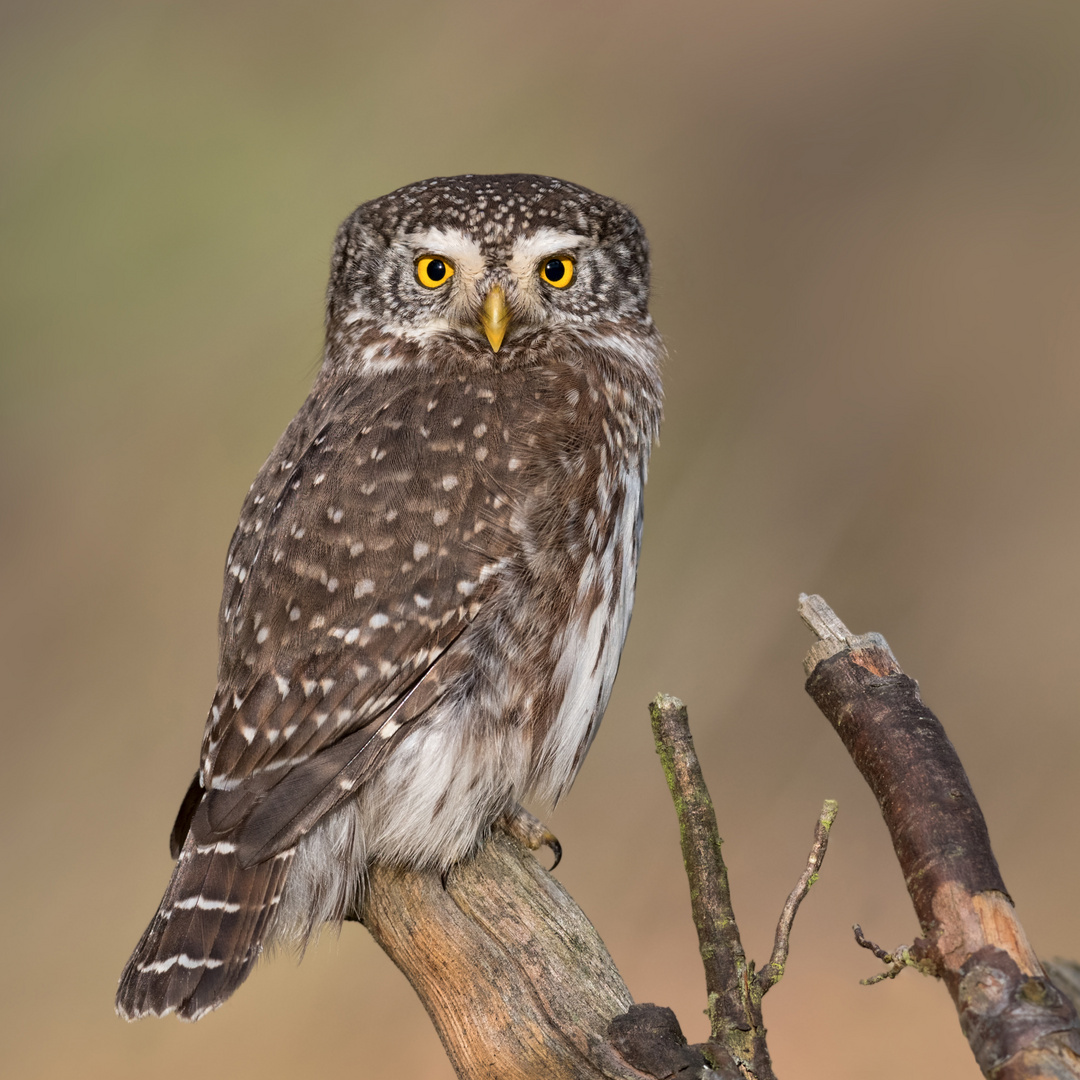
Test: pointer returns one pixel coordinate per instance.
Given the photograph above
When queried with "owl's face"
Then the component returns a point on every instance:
(485, 259)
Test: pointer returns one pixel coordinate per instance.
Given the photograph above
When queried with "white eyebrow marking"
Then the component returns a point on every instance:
(530, 250)
(460, 248)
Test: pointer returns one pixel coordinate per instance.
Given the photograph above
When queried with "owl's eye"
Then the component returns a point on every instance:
(432, 272)
(558, 272)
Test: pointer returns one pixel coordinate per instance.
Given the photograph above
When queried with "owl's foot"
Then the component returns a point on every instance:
(531, 831)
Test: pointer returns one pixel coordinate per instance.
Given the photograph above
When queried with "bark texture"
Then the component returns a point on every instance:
(514, 977)
(1017, 1022)
(738, 1033)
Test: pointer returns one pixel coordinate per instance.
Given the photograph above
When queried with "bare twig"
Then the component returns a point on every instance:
(1019, 1025)
(897, 960)
(773, 971)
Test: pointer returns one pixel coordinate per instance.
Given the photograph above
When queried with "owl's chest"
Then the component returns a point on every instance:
(556, 632)
(584, 651)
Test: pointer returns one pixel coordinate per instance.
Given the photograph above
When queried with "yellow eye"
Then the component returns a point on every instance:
(432, 272)
(558, 272)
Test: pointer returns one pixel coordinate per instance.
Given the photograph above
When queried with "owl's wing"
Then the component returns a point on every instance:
(370, 540)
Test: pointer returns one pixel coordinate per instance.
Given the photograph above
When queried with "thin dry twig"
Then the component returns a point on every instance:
(773, 971)
(897, 960)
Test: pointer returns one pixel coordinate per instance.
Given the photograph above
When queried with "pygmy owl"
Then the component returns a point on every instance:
(429, 587)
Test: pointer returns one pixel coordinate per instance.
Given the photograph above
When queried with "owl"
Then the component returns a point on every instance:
(428, 590)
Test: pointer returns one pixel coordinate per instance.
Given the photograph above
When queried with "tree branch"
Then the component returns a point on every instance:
(773, 971)
(1017, 1022)
(734, 1015)
(734, 992)
(515, 979)
(513, 975)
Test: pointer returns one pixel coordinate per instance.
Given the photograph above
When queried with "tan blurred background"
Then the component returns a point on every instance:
(865, 217)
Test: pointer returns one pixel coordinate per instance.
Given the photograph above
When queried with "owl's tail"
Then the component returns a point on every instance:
(206, 935)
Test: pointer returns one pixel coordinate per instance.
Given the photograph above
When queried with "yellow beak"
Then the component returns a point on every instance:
(495, 317)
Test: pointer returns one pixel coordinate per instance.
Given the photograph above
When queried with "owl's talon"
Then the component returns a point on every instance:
(556, 850)
(532, 832)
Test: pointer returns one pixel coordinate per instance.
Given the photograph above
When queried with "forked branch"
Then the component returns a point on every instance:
(737, 1039)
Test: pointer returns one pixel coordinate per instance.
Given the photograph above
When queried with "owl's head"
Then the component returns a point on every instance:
(488, 259)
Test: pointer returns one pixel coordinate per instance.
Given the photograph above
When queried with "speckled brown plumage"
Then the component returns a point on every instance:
(431, 580)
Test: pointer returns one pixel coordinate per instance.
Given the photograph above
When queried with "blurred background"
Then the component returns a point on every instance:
(865, 219)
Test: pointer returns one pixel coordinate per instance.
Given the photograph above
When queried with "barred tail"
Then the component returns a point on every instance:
(206, 935)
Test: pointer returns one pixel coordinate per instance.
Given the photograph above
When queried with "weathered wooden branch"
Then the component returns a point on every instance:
(513, 975)
(1017, 1022)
